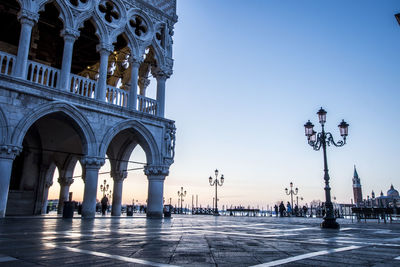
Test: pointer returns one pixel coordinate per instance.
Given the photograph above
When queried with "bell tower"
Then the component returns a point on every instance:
(357, 188)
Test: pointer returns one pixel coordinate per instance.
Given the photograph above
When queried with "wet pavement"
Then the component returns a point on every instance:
(196, 241)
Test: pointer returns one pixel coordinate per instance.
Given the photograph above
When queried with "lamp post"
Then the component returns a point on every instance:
(181, 194)
(297, 200)
(291, 193)
(104, 187)
(322, 139)
(216, 183)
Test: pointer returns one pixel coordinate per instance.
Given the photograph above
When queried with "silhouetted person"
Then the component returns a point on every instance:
(276, 210)
(281, 209)
(289, 209)
(104, 204)
(305, 211)
(296, 210)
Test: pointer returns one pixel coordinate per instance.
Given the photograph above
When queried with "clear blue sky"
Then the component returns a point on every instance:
(249, 74)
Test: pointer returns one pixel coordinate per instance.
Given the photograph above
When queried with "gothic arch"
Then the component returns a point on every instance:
(101, 30)
(86, 132)
(65, 14)
(158, 53)
(145, 139)
(3, 128)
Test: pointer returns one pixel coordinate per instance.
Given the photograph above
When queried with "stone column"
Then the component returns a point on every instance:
(92, 166)
(47, 185)
(70, 35)
(27, 19)
(65, 183)
(7, 156)
(161, 77)
(104, 51)
(135, 64)
(156, 176)
(119, 178)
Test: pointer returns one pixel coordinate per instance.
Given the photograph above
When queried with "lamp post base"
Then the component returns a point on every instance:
(330, 223)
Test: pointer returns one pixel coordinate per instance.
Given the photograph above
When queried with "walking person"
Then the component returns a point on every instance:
(276, 210)
(104, 205)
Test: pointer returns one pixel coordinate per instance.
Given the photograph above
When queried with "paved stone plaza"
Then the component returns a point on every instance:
(196, 241)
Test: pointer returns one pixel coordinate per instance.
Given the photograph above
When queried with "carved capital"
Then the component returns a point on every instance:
(64, 181)
(92, 162)
(9, 151)
(135, 62)
(28, 17)
(156, 170)
(161, 73)
(105, 48)
(70, 34)
(47, 184)
(119, 175)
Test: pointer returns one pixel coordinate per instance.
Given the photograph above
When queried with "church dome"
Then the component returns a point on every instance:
(392, 192)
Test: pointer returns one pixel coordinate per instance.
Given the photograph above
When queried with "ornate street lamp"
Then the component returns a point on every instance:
(181, 194)
(322, 139)
(216, 183)
(291, 193)
(104, 187)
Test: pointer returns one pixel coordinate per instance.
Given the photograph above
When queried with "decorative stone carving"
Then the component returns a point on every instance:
(119, 175)
(48, 183)
(169, 139)
(104, 47)
(64, 181)
(92, 162)
(161, 73)
(157, 170)
(109, 10)
(77, 3)
(9, 151)
(138, 25)
(28, 17)
(70, 33)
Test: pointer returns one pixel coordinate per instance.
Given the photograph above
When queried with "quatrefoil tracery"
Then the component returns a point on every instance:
(139, 25)
(76, 3)
(110, 11)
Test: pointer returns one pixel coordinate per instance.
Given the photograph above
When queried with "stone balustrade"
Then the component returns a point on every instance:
(83, 86)
(42, 74)
(7, 62)
(147, 105)
(117, 96)
(49, 76)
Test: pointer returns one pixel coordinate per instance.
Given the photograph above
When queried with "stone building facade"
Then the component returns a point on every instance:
(73, 79)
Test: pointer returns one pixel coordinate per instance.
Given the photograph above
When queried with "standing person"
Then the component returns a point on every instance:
(281, 208)
(296, 210)
(104, 204)
(276, 210)
(305, 211)
(288, 208)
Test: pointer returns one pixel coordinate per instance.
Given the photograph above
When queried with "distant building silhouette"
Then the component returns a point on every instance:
(357, 188)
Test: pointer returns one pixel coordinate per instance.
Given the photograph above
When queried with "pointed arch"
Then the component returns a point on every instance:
(84, 130)
(3, 128)
(144, 138)
(66, 15)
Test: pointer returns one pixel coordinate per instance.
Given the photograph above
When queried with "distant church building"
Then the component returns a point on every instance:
(391, 199)
(73, 80)
(357, 192)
